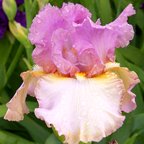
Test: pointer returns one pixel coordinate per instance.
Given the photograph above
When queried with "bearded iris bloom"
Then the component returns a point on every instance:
(80, 89)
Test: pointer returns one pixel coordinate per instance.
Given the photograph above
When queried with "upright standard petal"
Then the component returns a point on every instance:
(44, 26)
(42, 57)
(75, 13)
(124, 30)
(64, 55)
(102, 39)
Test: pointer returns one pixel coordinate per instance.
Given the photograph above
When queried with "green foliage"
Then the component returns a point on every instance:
(15, 57)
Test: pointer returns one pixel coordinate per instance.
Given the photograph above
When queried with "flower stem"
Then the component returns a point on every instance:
(28, 12)
(34, 8)
(27, 63)
(29, 54)
(119, 7)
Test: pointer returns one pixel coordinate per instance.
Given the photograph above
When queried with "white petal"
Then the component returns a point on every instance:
(81, 109)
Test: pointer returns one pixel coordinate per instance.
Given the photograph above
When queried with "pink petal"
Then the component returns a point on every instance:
(130, 79)
(41, 32)
(42, 57)
(89, 62)
(63, 54)
(124, 30)
(74, 13)
(81, 109)
(47, 21)
(101, 39)
(44, 26)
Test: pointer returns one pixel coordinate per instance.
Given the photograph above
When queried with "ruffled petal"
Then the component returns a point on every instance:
(40, 34)
(17, 106)
(89, 62)
(44, 26)
(64, 55)
(130, 79)
(42, 57)
(124, 30)
(101, 39)
(74, 13)
(47, 21)
(54, 53)
(81, 109)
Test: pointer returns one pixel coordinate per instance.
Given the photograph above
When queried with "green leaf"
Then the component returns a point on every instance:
(4, 97)
(122, 134)
(3, 110)
(28, 6)
(105, 10)
(133, 54)
(35, 8)
(9, 138)
(52, 140)
(120, 58)
(3, 77)
(132, 139)
(32, 106)
(5, 49)
(14, 62)
(139, 99)
(139, 20)
(91, 5)
(138, 122)
(37, 132)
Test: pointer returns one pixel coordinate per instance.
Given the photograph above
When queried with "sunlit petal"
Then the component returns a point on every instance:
(81, 109)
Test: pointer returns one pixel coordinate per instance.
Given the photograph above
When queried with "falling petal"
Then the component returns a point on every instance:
(17, 106)
(81, 109)
(130, 79)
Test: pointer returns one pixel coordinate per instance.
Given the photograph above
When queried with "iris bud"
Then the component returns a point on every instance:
(20, 33)
(10, 8)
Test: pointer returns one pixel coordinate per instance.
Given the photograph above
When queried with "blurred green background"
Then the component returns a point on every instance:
(15, 57)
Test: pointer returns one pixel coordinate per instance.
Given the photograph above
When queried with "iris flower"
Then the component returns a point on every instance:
(80, 89)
